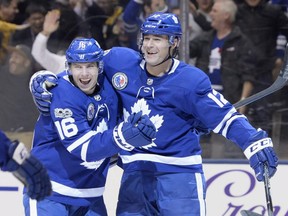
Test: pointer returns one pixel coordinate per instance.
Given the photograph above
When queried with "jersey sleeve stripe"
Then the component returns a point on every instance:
(223, 122)
(81, 140)
(229, 122)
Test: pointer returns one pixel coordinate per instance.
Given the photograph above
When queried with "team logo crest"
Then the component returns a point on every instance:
(90, 111)
(119, 81)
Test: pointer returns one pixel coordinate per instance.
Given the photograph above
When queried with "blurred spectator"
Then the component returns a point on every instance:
(6, 31)
(281, 39)
(135, 13)
(35, 17)
(55, 61)
(17, 110)
(201, 16)
(80, 7)
(101, 17)
(8, 11)
(48, 60)
(198, 13)
(116, 34)
(225, 53)
(262, 22)
(70, 26)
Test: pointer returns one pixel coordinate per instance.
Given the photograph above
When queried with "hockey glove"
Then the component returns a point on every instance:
(137, 131)
(28, 170)
(39, 83)
(260, 153)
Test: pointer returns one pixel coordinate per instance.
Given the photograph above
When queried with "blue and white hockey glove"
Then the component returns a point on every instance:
(137, 131)
(259, 153)
(28, 170)
(39, 83)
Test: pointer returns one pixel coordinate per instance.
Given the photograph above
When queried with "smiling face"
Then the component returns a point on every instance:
(85, 76)
(157, 53)
(155, 48)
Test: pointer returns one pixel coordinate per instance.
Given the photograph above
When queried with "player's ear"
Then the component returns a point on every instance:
(176, 42)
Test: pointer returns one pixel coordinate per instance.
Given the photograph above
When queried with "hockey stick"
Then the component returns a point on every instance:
(267, 191)
(249, 213)
(268, 196)
(279, 83)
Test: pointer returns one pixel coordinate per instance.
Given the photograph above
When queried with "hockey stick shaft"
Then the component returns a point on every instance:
(267, 191)
(279, 83)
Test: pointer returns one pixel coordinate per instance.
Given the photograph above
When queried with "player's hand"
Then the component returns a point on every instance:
(39, 84)
(260, 153)
(28, 170)
(137, 131)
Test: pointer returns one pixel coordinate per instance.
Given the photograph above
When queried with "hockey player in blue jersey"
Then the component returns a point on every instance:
(166, 177)
(78, 137)
(15, 158)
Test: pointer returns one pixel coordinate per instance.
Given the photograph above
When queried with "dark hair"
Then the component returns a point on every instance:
(35, 8)
(147, 2)
(5, 2)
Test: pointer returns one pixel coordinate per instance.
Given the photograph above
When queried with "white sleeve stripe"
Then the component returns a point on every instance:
(257, 146)
(226, 117)
(213, 97)
(229, 122)
(81, 140)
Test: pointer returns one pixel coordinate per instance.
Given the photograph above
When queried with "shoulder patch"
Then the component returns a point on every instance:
(90, 112)
(62, 113)
(119, 80)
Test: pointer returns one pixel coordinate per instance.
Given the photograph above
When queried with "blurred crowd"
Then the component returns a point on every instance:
(240, 44)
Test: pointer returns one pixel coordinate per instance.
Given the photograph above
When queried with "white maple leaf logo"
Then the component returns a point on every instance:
(93, 164)
(102, 126)
(141, 105)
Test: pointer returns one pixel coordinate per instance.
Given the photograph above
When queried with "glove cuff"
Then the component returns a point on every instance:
(257, 146)
(18, 152)
(120, 140)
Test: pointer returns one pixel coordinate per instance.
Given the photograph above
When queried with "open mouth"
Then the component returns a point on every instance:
(85, 81)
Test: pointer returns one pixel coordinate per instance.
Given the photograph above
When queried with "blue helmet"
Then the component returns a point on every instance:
(83, 50)
(162, 24)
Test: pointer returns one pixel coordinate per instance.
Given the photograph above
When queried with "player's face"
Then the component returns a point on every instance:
(155, 48)
(85, 76)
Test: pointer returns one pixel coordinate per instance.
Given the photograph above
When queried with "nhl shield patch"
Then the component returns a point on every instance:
(119, 81)
(90, 111)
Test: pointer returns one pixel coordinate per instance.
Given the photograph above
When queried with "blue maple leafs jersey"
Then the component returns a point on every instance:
(75, 142)
(181, 104)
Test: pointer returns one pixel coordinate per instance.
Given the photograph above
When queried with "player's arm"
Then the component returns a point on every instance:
(219, 115)
(15, 158)
(256, 145)
(91, 145)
